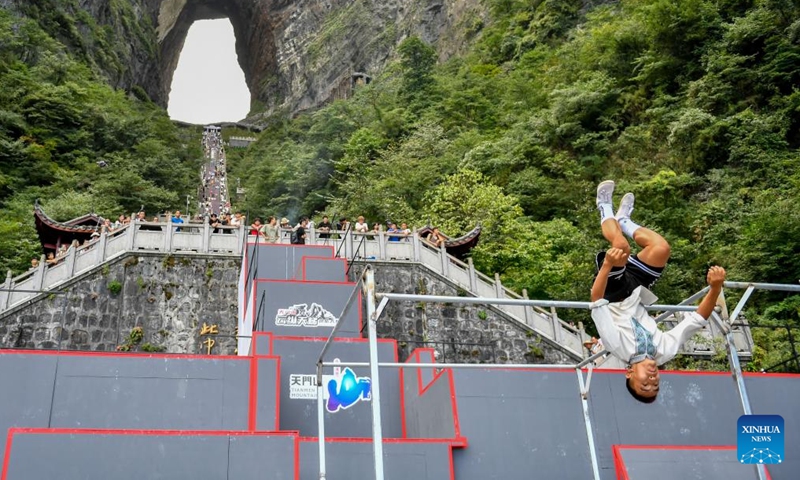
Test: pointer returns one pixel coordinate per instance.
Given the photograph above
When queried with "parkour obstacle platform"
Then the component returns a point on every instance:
(308, 398)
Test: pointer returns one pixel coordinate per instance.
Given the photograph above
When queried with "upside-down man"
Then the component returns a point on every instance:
(621, 289)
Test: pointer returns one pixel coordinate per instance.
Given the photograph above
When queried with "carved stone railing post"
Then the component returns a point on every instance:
(207, 236)
(5, 296)
(131, 233)
(69, 262)
(527, 309)
(102, 243)
(558, 331)
(168, 236)
(381, 246)
(416, 243)
(445, 261)
(498, 286)
(40, 273)
(348, 245)
(242, 235)
(473, 276)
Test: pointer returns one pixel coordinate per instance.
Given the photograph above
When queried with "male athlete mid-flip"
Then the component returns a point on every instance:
(621, 289)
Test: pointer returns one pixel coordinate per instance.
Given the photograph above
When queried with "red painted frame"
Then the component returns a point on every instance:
(622, 471)
(246, 258)
(458, 440)
(334, 259)
(255, 283)
(253, 379)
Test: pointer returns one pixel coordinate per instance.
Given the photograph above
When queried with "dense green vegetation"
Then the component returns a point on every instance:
(59, 118)
(690, 104)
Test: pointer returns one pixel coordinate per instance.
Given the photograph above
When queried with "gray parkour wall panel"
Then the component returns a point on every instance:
(520, 425)
(131, 392)
(298, 402)
(779, 395)
(306, 309)
(691, 409)
(685, 464)
(401, 460)
(280, 262)
(324, 269)
(27, 390)
(428, 400)
(136, 456)
(267, 395)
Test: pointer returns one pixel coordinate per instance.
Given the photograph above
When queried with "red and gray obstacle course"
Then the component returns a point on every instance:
(310, 397)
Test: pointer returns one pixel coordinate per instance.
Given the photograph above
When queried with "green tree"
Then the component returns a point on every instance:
(417, 60)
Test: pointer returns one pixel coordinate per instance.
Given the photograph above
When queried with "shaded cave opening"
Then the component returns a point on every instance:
(208, 84)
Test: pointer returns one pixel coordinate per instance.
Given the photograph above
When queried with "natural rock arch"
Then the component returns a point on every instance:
(251, 26)
(298, 54)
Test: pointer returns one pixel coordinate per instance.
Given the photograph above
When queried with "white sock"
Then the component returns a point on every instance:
(628, 227)
(606, 212)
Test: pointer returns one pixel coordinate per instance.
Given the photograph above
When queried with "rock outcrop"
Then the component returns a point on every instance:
(295, 55)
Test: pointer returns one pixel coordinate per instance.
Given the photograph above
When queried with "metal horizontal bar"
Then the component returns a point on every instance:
(18, 290)
(511, 301)
(782, 287)
(517, 366)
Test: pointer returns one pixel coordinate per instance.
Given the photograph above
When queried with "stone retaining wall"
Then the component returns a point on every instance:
(170, 298)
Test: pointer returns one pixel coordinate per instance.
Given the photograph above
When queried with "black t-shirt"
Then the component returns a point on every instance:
(324, 234)
(299, 237)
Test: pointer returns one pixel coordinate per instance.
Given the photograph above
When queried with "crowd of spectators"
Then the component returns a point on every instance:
(215, 210)
(276, 231)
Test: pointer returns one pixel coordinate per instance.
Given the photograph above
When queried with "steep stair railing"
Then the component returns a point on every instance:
(342, 238)
(356, 257)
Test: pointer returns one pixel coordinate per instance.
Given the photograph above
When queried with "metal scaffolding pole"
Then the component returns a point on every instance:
(736, 367)
(506, 366)
(405, 297)
(377, 429)
(587, 418)
(321, 425)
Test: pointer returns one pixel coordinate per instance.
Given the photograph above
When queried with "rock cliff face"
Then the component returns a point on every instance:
(295, 54)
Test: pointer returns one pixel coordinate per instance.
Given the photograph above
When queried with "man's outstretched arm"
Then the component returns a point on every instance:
(715, 278)
(692, 322)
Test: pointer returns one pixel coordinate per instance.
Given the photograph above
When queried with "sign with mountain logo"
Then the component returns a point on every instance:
(302, 315)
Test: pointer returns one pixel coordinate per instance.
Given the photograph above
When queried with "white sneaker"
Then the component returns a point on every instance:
(625, 206)
(605, 192)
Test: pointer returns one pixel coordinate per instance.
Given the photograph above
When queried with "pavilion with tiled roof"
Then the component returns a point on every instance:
(53, 234)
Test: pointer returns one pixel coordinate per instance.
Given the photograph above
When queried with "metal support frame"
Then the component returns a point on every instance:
(377, 428)
(736, 368)
(373, 313)
(587, 418)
